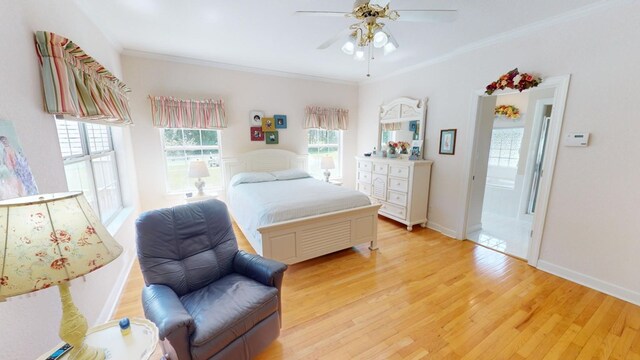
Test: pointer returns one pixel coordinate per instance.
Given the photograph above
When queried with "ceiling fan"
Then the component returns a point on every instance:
(369, 33)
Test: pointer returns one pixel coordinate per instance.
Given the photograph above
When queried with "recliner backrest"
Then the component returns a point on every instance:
(186, 247)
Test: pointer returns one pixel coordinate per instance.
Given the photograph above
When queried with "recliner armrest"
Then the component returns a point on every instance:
(163, 307)
(266, 271)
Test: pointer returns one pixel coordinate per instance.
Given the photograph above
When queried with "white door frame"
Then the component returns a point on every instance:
(561, 86)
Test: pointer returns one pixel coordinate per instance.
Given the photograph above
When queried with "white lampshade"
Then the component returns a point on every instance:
(349, 45)
(390, 46)
(198, 169)
(327, 163)
(50, 239)
(359, 54)
(380, 38)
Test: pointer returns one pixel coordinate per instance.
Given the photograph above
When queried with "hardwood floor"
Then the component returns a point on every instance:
(424, 295)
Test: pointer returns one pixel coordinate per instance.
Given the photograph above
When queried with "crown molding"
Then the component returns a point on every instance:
(525, 30)
(226, 66)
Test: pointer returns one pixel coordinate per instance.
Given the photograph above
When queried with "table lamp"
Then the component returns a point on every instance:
(198, 169)
(49, 240)
(327, 163)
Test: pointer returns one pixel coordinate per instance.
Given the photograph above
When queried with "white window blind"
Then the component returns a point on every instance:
(90, 165)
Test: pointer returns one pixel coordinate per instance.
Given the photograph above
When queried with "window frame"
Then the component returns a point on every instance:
(87, 157)
(189, 148)
(339, 166)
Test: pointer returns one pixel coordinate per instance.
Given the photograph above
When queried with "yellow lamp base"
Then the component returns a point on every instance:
(73, 329)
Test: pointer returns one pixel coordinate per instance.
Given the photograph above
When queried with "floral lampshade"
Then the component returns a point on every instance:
(50, 239)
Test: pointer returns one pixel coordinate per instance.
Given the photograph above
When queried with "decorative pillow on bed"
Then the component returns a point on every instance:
(290, 174)
(251, 177)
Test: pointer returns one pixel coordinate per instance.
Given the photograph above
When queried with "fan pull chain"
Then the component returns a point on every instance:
(369, 58)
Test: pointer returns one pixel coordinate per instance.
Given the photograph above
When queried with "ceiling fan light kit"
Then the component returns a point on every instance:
(370, 33)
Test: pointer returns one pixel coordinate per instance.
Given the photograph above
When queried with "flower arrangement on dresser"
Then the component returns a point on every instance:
(400, 147)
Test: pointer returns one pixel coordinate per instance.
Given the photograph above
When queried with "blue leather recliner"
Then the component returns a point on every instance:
(208, 299)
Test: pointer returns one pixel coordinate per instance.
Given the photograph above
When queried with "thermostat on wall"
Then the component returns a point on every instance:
(577, 139)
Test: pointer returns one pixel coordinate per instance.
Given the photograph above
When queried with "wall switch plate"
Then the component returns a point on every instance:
(577, 139)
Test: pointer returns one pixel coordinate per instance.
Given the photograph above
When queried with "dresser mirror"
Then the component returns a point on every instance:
(402, 122)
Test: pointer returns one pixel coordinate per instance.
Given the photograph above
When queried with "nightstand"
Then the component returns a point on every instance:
(204, 197)
(335, 182)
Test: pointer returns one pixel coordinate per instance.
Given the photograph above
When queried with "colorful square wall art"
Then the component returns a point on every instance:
(281, 121)
(268, 124)
(255, 118)
(256, 133)
(16, 179)
(271, 137)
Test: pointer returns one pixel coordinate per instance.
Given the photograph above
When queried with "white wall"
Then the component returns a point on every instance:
(242, 92)
(591, 229)
(29, 324)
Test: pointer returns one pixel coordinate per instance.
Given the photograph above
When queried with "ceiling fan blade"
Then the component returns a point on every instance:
(432, 16)
(323, 13)
(336, 37)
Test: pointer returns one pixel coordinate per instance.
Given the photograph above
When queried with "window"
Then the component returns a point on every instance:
(324, 143)
(505, 147)
(90, 165)
(504, 155)
(184, 145)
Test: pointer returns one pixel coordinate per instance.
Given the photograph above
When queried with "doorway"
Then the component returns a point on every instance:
(511, 167)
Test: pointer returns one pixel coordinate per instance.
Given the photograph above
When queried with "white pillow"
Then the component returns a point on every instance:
(251, 177)
(290, 174)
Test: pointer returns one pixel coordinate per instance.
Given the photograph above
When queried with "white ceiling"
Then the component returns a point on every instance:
(265, 34)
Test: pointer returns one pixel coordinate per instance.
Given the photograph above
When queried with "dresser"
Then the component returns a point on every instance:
(400, 186)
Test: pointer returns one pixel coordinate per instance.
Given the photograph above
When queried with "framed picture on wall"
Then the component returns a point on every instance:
(271, 137)
(448, 142)
(268, 124)
(255, 118)
(256, 133)
(281, 121)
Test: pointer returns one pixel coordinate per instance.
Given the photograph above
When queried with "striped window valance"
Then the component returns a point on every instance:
(391, 126)
(76, 85)
(326, 118)
(168, 112)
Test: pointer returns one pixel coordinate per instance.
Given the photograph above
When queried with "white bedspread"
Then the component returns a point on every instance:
(258, 204)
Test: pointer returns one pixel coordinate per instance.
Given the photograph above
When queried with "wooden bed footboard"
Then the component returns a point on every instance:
(297, 240)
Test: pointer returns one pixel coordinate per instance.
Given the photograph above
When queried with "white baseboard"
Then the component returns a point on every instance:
(110, 305)
(588, 281)
(444, 230)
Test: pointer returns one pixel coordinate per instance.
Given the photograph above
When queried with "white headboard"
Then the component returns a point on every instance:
(262, 160)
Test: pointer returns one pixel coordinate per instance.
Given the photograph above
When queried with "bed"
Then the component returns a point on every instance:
(294, 218)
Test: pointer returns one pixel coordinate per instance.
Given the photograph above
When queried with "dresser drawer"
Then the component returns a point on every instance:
(398, 184)
(398, 198)
(364, 177)
(364, 188)
(364, 165)
(399, 171)
(395, 211)
(381, 169)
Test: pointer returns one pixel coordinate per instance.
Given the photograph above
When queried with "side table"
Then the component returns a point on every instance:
(140, 344)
